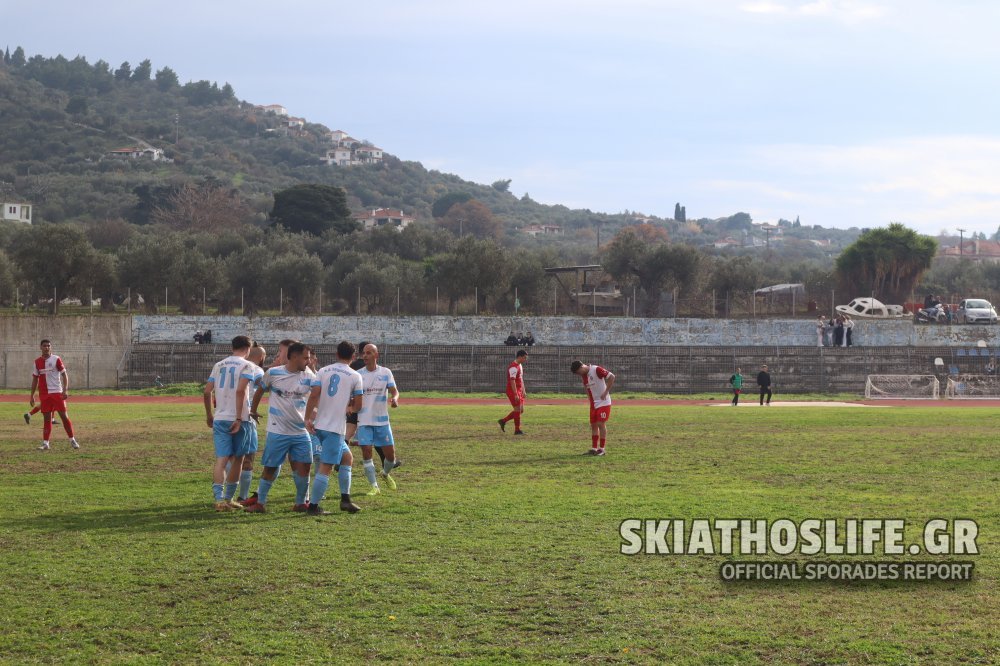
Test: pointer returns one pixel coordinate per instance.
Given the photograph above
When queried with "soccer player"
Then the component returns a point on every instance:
(373, 419)
(290, 385)
(282, 356)
(50, 379)
(598, 383)
(736, 382)
(764, 383)
(336, 392)
(231, 426)
(515, 392)
(257, 357)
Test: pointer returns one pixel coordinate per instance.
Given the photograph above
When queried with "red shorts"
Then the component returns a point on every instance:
(53, 402)
(600, 414)
(515, 400)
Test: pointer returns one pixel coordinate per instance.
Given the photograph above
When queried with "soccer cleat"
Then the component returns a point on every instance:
(27, 418)
(374, 491)
(600, 452)
(75, 444)
(234, 504)
(250, 501)
(503, 425)
(398, 464)
(389, 481)
(518, 432)
(223, 505)
(44, 447)
(349, 506)
(300, 508)
(590, 452)
(316, 510)
(256, 507)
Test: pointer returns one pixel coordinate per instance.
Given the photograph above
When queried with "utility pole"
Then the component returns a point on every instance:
(177, 127)
(961, 239)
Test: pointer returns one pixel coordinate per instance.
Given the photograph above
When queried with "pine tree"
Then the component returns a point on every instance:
(677, 212)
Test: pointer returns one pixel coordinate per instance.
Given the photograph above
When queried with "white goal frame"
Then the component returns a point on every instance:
(879, 387)
(973, 387)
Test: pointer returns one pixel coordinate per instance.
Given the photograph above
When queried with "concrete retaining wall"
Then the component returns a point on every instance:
(556, 331)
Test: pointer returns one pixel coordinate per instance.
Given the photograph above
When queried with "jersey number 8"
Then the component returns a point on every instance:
(331, 390)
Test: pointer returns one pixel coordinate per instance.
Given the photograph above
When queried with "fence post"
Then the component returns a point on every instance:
(320, 311)
(397, 301)
(437, 299)
(5, 369)
(358, 308)
(91, 305)
(281, 299)
(477, 301)
(166, 300)
(88, 369)
(242, 309)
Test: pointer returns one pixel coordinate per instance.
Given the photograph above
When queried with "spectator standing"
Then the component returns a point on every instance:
(764, 383)
(820, 328)
(848, 328)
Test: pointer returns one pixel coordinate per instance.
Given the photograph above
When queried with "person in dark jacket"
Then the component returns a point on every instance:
(764, 383)
(511, 341)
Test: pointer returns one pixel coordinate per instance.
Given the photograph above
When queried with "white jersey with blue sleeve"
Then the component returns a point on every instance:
(226, 376)
(375, 404)
(287, 404)
(338, 385)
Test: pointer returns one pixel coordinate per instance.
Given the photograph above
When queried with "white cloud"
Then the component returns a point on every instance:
(847, 11)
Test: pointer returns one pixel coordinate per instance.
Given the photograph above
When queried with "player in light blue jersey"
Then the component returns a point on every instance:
(336, 392)
(230, 424)
(290, 386)
(257, 356)
(373, 419)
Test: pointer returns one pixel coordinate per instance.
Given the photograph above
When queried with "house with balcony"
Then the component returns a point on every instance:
(17, 212)
(384, 217)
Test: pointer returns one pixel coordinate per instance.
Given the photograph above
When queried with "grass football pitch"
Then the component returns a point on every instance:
(494, 549)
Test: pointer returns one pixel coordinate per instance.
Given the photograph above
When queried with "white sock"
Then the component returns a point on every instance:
(388, 465)
(370, 473)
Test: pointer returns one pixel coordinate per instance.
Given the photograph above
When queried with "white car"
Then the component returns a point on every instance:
(976, 311)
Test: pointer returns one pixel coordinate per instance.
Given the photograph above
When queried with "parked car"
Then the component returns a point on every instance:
(976, 311)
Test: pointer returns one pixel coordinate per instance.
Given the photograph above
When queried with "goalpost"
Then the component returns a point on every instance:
(902, 387)
(973, 387)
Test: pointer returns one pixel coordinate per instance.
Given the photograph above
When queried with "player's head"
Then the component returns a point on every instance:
(521, 356)
(345, 351)
(242, 343)
(370, 354)
(283, 351)
(45, 346)
(764, 367)
(578, 368)
(297, 356)
(311, 358)
(257, 354)
(738, 370)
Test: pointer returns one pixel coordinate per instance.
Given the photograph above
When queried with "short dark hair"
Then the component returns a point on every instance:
(287, 342)
(44, 341)
(521, 352)
(296, 348)
(242, 342)
(362, 345)
(345, 350)
(575, 365)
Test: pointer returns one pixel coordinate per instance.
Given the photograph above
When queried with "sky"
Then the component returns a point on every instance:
(844, 113)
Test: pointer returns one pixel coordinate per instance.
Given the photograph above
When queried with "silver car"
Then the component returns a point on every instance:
(976, 311)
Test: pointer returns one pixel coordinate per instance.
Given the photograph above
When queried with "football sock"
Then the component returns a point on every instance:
(388, 465)
(217, 491)
(510, 417)
(245, 477)
(301, 487)
(517, 420)
(344, 480)
(320, 484)
(47, 430)
(263, 488)
(68, 425)
(594, 439)
(370, 472)
(230, 490)
(603, 440)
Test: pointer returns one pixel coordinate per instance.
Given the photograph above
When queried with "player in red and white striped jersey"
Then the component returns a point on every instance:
(515, 392)
(598, 383)
(50, 379)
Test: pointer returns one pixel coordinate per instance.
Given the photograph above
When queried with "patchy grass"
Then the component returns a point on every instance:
(494, 549)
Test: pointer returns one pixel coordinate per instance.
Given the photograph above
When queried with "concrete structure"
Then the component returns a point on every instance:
(137, 153)
(557, 330)
(543, 230)
(384, 217)
(16, 212)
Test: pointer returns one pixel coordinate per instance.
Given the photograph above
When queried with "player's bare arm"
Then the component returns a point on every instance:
(241, 401)
(65, 383)
(207, 398)
(311, 406)
(394, 396)
(256, 403)
(609, 381)
(34, 387)
(354, 406)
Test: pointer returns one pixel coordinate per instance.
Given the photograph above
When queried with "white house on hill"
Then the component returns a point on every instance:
(384, 217)
(17, 212)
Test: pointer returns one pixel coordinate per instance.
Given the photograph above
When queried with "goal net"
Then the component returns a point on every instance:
(902, 387)
(973, 387)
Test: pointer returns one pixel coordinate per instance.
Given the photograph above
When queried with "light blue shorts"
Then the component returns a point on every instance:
(227, 444)
(333, 447)
(377, 436)
(298, 448)
(254, 438)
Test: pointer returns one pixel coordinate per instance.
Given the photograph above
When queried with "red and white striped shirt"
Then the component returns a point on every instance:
(596, 385)
(49, 372)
